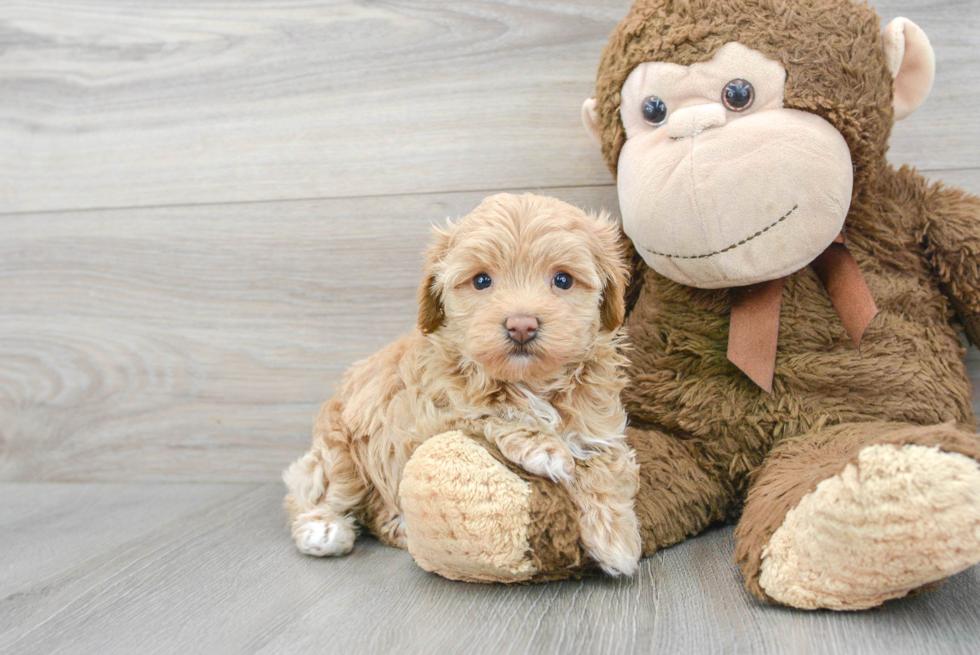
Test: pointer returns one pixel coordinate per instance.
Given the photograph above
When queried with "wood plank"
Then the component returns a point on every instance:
(197, 343)
(53, 528)
(118, 103)
(130, 103)
(966, 179)
(930, 138)
(703, 586)
(226, 578)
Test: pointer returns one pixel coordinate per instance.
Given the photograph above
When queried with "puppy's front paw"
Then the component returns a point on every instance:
(322, 539)
(549, 461)
(620, 559)
(535, 451)
(614, 543)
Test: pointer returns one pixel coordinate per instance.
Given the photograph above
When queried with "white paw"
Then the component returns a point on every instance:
(620, 564)
(619, 553)
(549, 462)
(322, 539)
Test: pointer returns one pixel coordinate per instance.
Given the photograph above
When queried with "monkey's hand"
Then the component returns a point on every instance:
(951, 242)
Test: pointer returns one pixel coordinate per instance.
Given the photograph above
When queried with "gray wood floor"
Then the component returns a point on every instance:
(208, 210)
(205, 568)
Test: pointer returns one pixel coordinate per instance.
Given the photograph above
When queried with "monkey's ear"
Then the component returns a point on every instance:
(588, 120)
(431, 312)
(912, 63)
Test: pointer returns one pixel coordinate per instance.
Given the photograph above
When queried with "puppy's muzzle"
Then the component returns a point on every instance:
(521, 328)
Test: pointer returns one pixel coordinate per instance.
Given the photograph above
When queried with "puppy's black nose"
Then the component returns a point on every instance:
(521, 328)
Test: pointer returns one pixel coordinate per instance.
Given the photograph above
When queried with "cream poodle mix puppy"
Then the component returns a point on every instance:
(518, 341)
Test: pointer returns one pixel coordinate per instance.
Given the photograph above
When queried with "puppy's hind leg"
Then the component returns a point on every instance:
(324, 489)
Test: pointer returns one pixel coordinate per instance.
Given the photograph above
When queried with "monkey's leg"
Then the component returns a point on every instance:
(850, 516)
(677, 497)
(471, 515)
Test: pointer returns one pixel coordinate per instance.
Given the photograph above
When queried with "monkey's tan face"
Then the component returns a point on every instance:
(719, 184)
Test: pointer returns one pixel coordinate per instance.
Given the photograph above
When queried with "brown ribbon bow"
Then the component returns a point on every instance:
(754, 327)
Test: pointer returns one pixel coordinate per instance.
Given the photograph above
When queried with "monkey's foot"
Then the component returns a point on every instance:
(901, 518)
(470, 516)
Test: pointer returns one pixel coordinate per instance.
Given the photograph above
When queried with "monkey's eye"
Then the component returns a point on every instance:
(654, 110)
(738, 95)
(562, 280)
(482, 281)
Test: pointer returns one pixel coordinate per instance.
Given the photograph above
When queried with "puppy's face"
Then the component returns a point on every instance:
(523, 285)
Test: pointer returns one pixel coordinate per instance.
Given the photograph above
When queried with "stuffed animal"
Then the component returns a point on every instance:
(795, 320)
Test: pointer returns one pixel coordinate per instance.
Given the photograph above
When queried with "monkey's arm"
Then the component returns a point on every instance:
(951, 241)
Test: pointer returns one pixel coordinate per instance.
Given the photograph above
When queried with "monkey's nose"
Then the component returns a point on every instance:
(691, 121)
(521, 328)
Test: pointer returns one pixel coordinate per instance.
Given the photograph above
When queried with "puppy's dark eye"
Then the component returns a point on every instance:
(738, 95)
(482, 281)
(562, 280)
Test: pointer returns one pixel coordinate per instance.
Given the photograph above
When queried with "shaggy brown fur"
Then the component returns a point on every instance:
(550, 405)
(704, 434)
(917, 244)
(795, 467)
(847, 84)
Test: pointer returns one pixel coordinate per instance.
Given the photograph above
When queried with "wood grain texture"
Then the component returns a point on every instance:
(218, 574)
(196, 343)
(120, 103)
(129, 103)
(701, 586)
(46, 529)
(207, 212)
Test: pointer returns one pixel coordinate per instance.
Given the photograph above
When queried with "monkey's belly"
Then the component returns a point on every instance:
(909, 368)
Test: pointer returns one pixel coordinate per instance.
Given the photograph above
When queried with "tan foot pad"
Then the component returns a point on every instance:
(902, 518)
(466, 514)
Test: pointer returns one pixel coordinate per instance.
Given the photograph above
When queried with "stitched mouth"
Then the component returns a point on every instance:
(734, 245)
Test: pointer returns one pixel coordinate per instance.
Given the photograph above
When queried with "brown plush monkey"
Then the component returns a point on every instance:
(795, 328)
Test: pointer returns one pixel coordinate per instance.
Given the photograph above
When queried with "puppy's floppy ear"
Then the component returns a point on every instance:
(431, 312)
(611, 262)
(637, 270)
